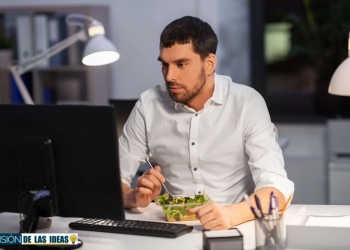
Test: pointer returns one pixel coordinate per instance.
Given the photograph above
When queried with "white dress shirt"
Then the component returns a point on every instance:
(227, 149)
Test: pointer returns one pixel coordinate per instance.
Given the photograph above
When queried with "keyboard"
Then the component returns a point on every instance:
(135, 227)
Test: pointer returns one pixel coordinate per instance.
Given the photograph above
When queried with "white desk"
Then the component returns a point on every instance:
(191, 241)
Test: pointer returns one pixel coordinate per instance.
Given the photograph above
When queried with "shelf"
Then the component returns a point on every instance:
(70, 82)
(66, 68)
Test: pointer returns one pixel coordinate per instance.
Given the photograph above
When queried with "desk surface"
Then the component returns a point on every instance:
(192, 241)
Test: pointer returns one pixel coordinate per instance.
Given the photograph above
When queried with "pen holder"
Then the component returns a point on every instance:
(270, 234)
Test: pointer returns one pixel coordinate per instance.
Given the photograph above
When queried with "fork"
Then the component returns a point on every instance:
(164, 187)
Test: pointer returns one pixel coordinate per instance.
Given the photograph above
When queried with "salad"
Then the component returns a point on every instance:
(176, 209)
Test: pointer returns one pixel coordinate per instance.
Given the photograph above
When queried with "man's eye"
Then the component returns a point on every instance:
(181, 65)
(164, 65)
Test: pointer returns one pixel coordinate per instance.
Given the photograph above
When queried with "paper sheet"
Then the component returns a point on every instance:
(329, 221)
(222, 233)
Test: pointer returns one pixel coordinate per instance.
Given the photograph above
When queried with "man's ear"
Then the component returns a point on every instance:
(210, 64)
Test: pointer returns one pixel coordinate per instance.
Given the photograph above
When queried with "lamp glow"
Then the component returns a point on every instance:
(101, 58)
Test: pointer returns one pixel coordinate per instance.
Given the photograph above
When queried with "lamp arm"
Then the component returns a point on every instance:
(21, 86)
(31, 63)
(18, 70)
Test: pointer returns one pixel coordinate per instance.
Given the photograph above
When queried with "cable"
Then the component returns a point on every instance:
(37, 196)
(20, 209)
(28, 215)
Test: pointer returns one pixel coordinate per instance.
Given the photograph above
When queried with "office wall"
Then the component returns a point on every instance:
(305, 161)
(234, 45)
(136, 26)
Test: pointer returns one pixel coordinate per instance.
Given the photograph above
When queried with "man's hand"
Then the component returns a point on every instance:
(148, 187)
(213, 216)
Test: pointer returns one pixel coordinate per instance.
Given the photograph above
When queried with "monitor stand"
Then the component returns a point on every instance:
(32, 222)
(35, 208)
(43, 222)
(36, 169)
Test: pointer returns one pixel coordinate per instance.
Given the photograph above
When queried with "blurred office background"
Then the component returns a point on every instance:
(286, 50)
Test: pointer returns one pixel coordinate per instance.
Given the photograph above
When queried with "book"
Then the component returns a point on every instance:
(16, 97)
(41, 37)
(57, 33)
(24, 37)
(75, 51)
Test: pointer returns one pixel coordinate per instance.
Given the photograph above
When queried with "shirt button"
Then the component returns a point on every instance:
(195, 169)
(193, 143)
(199, 192)
(196, 114)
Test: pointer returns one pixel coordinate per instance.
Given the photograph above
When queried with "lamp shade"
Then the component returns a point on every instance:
(99, 51)
(340, 82)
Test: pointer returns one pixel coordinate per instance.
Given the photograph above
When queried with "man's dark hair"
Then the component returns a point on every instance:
(190, 29)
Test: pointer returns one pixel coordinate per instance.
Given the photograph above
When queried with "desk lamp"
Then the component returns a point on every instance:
(98, 51)
(340, 81)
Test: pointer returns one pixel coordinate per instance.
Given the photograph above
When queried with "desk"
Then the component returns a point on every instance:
(191, 241)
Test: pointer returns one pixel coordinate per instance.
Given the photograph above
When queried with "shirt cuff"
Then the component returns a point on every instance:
(125, 181)
(281, 183)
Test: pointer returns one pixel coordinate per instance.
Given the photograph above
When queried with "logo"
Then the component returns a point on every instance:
(73, 238)
(38, 239)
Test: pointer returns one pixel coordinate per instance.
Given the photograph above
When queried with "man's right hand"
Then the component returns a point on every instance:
(147, 188)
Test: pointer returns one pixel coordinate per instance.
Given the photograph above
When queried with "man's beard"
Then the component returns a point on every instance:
(189, 94)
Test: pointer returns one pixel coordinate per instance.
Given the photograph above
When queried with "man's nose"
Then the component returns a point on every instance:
(171, 74)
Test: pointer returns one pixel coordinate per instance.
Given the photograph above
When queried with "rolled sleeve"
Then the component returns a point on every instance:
(265, 157)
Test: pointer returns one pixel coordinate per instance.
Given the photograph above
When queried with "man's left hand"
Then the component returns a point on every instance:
(213, 216)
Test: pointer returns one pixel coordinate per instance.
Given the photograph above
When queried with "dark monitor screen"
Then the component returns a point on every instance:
(84, 153)
(123, 109)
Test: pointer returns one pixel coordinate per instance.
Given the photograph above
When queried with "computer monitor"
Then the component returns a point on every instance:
(84, 152)
(123, 109)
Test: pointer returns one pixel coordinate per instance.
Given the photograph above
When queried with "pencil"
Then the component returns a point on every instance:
(286, 205)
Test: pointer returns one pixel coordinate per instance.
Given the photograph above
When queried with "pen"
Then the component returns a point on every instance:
(256, 213)
(271, 214)
(262, 223)
(277, 230)
(258, 205)
(276, 207)
(270, 206)
(273, 207)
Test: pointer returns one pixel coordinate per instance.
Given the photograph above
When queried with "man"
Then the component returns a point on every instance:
(204, 132)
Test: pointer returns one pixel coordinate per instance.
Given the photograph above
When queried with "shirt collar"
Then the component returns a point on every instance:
(218, 94)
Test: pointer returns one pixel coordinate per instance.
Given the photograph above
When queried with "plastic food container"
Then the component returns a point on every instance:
(177, 209)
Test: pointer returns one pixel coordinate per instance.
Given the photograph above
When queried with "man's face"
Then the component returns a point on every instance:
(183, 72)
